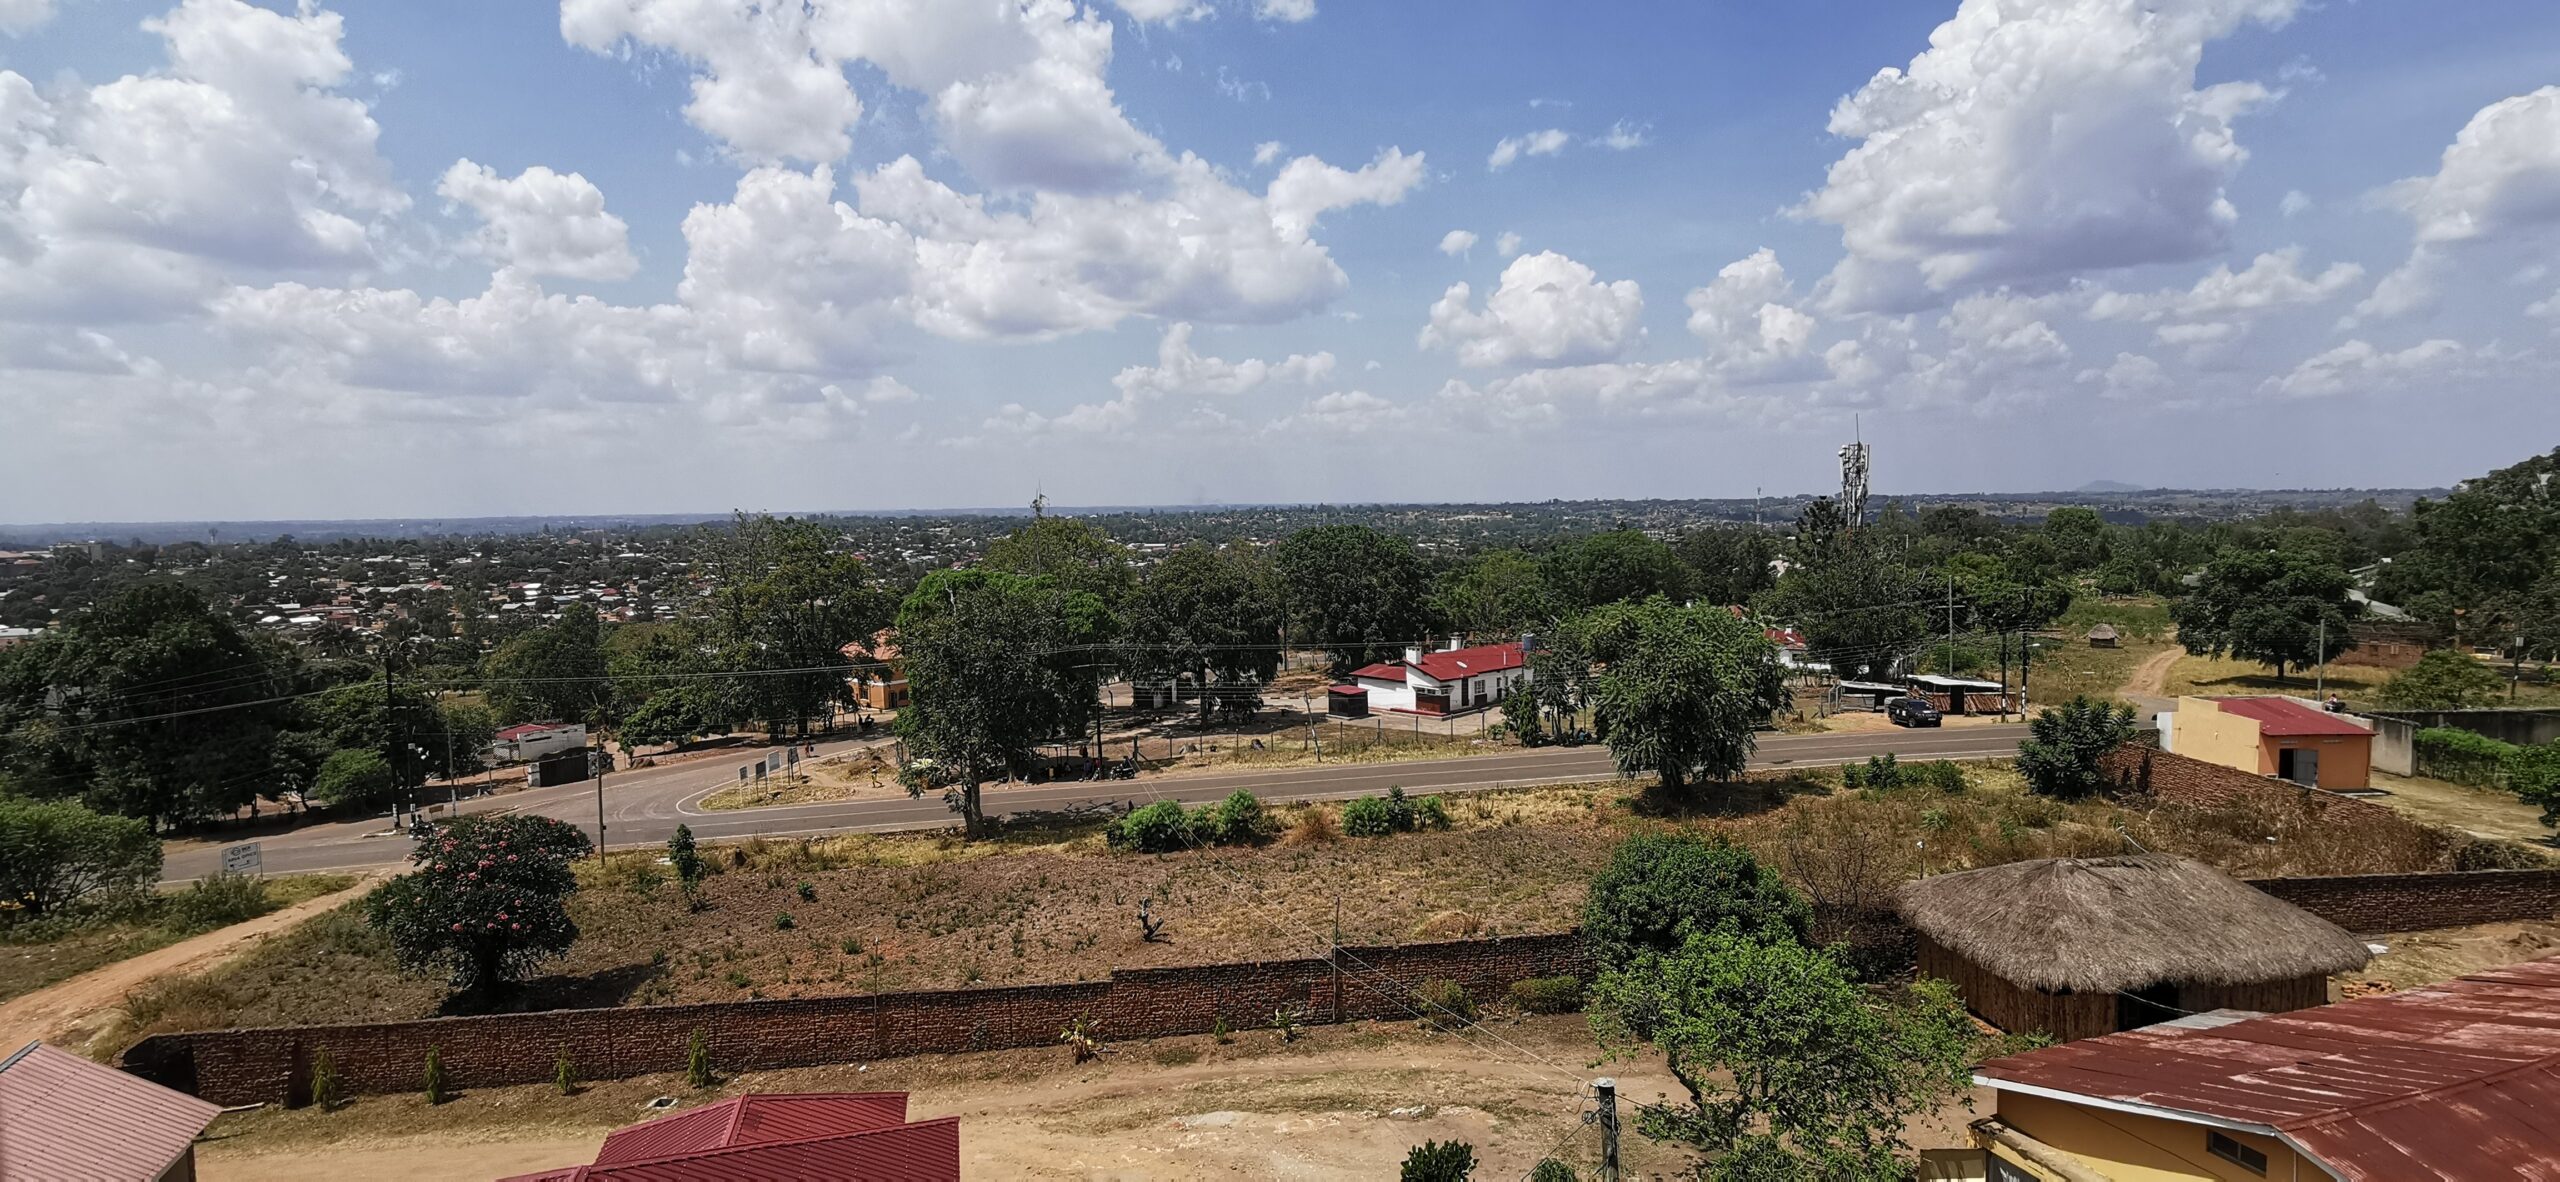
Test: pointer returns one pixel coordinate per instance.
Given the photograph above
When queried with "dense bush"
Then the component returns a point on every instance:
(2443, 679)
(1379, 816)
(1551, 1170)
(2498, 855)
(1548, 995)
(1439, 1161)
(1240, 819)
(216, 902)
(1159, 828)
(1445, 1004)
(56, 855)
(2060, 757)
(1662, 888)
(1367, 817)
(1883, 773)
(1164, 827)
(2462, 757)
(2533, 773)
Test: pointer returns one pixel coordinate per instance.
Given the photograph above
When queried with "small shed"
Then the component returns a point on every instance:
(2080, 947)
(2103, 636)
(1347, 701)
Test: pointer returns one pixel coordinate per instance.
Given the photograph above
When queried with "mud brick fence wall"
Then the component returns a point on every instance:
(2171, 778)
(274, 1065)
(2418, 902)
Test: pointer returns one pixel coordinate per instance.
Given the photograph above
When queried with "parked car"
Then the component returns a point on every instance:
(1912, 712)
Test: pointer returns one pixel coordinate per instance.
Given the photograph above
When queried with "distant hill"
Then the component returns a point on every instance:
(2108, 486)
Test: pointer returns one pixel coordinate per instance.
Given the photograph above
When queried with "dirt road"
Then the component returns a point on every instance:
(2147, 686)
(68, 1012)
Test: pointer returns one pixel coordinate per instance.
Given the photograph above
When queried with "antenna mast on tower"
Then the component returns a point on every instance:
(1853, 481)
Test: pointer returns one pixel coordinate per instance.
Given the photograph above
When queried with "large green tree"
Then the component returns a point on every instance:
(1617, 566)
(1680, 690)
(1499, 593)
(1209, 612)
(989, 658)
(1074, 555)
(2443, 679)
(2062, 753)
(56, 854)
(149, 705)
(1792, 1069)
(1359, 594)
(1660, 889)
(784, 603)
(557, 671)
(2269, 606)
(2480, 553)
(1729, 564)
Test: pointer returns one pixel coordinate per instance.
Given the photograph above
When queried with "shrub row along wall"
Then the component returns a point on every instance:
(2170, 778)
(2417, 902)
(274, 1065)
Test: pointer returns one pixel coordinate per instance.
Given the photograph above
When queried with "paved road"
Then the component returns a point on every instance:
(644, 807)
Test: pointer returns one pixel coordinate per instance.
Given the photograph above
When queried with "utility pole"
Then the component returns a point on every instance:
(1607, 1088)
(1950, 669)
(1333, 955)
(2320, 680)
(390, 732)
(597, 763)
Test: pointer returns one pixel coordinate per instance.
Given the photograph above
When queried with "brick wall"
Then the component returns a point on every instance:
(274, 1065)
(2417, 902)
(2170, 778)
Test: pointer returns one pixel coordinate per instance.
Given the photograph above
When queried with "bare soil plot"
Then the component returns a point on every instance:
(2414, 959)
(2489, 812)
(1340, 1102)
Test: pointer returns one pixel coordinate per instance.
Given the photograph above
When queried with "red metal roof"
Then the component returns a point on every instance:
(1457, 664)
(522, 729)
(749, 1120)
(2453, 1081)
(813, 1135)
(62, 1116)
(1382, 671)
(2283, 716)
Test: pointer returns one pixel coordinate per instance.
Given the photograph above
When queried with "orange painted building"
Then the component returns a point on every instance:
(2274, 736)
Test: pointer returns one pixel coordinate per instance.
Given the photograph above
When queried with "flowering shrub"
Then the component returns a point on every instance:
(486, 902)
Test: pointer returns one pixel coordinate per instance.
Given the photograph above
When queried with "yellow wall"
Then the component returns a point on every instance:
(2130, 1148)
(2200, 730)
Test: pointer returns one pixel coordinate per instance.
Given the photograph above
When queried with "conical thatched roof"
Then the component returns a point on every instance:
(2100, 924)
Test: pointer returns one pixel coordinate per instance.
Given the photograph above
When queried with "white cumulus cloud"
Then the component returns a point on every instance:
(542, 222)
(2499, 182)
(1537, 143)
(2359, 367)
(1457, 242)
(2037, 141)
(1547, 310)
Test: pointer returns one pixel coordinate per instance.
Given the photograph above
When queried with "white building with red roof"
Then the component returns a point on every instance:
(1454, 680)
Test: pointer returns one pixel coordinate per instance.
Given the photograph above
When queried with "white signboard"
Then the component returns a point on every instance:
(240, 859)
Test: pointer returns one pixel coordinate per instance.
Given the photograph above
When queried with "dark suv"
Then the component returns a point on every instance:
(1912, 712)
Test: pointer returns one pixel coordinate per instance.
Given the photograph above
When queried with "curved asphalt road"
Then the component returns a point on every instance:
(644, 807)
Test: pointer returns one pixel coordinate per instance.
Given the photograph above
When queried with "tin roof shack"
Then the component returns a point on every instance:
(2080, 947)
(62, 1116)
(2457, 1080)
(811, 1135)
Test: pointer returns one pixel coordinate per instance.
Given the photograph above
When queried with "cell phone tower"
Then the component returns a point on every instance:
(1853, 483)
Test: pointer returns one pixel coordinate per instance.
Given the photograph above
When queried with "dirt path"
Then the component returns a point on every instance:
(2150, 679)
(68, 1011)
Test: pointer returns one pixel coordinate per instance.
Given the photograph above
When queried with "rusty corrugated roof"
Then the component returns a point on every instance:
(2457, 1081)
(2283, 716)
(66, 1119)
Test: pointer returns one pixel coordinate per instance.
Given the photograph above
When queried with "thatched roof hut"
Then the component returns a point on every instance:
(2102, 636)
(2082, 946)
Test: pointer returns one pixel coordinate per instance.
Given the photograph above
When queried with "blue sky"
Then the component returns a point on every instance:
(496, 256)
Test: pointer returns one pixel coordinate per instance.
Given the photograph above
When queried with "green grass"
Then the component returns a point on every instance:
(2138, 617)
